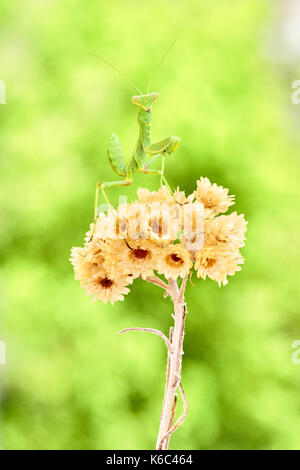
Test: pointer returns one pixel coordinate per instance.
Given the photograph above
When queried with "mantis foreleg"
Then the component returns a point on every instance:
(165, 145)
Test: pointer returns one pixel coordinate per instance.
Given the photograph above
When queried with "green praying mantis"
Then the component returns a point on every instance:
(142, 149)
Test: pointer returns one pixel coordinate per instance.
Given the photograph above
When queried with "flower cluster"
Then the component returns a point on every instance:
(162, 232)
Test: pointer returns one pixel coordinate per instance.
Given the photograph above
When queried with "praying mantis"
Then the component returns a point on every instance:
(143, 147)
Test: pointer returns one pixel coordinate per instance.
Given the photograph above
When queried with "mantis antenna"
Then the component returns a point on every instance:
(118, 71)
(161, 61)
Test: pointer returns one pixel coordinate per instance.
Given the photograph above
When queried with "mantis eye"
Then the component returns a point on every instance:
(154, 96)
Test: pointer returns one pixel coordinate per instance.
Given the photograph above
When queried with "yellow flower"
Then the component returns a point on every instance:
(192, 241)
(133, 257)
(180, 197)
(217, 264)
(215, 198)
(164, 223)
(87, 261)
(77, 258)
(106, 287)
(151, 219)
(226, 230)
(137, 239)
(90, 266)
(163, 195)
(107, 226)
(192, 226)
(174, 261)
(132, 220)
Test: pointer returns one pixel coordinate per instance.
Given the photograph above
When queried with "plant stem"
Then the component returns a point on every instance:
(173, 376)
(175, 351)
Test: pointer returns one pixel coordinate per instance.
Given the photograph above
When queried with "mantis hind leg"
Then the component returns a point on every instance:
(102, 186)
(161, 148)
(150, 171)
(161, 173)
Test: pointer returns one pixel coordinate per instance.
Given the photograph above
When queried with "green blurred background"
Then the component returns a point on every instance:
(70, 381)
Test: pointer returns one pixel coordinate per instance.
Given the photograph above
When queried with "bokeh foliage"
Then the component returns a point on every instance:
(70, 381)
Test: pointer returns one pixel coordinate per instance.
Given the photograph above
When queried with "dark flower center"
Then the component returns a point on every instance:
(140, 254)
(209, 262)
(208, 203)
(175, 259)
(106, 282)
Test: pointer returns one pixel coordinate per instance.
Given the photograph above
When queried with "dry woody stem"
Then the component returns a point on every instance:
(175, 351)
(173, 376)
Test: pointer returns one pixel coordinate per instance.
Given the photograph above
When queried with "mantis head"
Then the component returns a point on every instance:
(145, 101)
